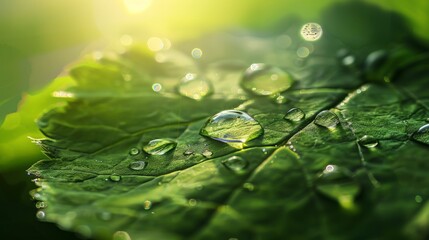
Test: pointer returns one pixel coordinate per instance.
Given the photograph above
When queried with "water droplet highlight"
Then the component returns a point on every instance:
(261, 79)
(311, 32)
(232, 126)
(194, 86)
(159, 146)
(41, 204)
(197, 53)
(156, 87)
(138, 165)
(188, 152)
(115, 178)
(422, 135)
(40, 215)
(295, 115)
(235, 164)
(192, 202)
(368, 141)
(134, 151)
(326, 119)
(147, 205)
(337, 183)
(418, 199)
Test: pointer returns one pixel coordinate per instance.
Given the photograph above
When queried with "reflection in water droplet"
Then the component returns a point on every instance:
(192, 202)
(196, 53)
(188, 152)
(368, 141)
(115, 178)
(235, 164)
(147, 205)
(159, 146)
(134, 151)
(40, 215)
(311, 32)
(194, 86)
(41, 204)
(249, 187)
(337, 183)
(232, 126)
(138, 165)
(326, 119)
(303, 52)
(207, 153)
(422, 135)
(295, 115)
(261, 79)
(280, 99)
(121, 235)
(156, 87)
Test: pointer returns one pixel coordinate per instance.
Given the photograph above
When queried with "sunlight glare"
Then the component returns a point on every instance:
(137, 6)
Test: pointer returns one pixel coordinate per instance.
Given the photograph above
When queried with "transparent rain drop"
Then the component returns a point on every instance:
(194, 86)
(138, 165)
(159, 146)
(261, 79)
(326, 119)
(295, 115)
(368, 141)
(311, 31)
(232, 126)
(235, 164)
(422, 134)
(134, 151)
(115, 178)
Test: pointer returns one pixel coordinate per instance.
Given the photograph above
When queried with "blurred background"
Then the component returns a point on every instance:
(38, 39)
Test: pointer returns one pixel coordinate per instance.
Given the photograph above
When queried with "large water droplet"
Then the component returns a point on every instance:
(115, 178)
(159, 146)
(121, 235)
(235, 164)
(311, 32)
(337, 183)
(368, 141)
(40, 215)
(138, 165)
(232, 126)
(261, 79)
(422, 135)
(326, 119)
(295, 115)
(194, 86)
(375, 60)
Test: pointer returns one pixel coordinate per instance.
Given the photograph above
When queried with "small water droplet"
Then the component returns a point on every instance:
(418, 199)
(303, 52)
(261, 79)
(41, 204)
(326, 119)
(311, 32)
(192, 202)
(42, 123)
(368, 141)
(337, 183)
(375, 59)
(348, 60)
(235, 164)
(249, 186)
(194, 86)
(188, 152)
(134, 151)
(147, 204)
(207, 153)
(105, 216)
(138, 165)
(121, 235)
(295, 115)
(264, 151)
(40, 215)
(422, 135)
(197, 53)
(159, 146)
(232, 126)
(115, 178)
(156, 87)
(280, 99)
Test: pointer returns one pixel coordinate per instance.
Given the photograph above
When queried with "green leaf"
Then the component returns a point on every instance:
(357, 175)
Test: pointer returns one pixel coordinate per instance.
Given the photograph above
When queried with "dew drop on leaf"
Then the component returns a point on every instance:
(121, 235)
(232, 126)
(188, 152)
(326, 119)
(138, 165)
(147, 204)
(41, 204)
(375, 60)
(348, 60)
(192, 202)
(368, 141)
(40, 215)
(261, 79)
(207, 153)
(159, 146)
(134, 151)
(235, 164)
(194, 86)
(422, 135)
(105, 216)
(337, 183)
(295, 115)
(115, 178)
(311, 31)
